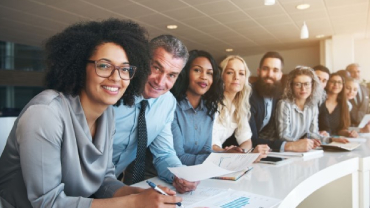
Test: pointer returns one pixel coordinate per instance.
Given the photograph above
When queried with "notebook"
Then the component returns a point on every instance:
(340, 146)
(233, 176)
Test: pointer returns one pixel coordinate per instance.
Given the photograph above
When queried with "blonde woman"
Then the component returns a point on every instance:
(351, 89)
(233, 116)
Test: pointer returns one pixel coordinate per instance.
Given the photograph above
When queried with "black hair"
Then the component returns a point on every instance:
(214, 95)
(321, 68)
(67, 54)
(272, 54)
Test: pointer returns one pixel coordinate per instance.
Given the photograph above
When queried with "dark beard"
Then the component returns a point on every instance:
(268, 90)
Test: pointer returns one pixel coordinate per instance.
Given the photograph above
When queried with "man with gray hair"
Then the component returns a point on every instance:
(360, 104)
(148, 122)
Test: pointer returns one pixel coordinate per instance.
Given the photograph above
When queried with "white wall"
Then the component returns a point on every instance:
(308, 56)
(362, 57)
(337, 53)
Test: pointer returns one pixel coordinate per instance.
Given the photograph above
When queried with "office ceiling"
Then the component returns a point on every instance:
(246, 26)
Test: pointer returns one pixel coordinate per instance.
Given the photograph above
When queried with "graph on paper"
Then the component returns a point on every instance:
(237, 203)
(237, 199)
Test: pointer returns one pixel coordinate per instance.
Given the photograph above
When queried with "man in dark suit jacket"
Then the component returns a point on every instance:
(323, 73)
(360, 105)
(265, 94)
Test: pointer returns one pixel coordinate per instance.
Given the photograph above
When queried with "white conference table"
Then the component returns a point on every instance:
(293, 182)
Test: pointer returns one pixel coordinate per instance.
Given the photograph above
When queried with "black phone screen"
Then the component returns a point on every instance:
(273, 159)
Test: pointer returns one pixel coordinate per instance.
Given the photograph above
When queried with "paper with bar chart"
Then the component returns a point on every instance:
(237, 199)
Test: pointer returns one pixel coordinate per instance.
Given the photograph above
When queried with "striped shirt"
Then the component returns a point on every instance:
(293, 123)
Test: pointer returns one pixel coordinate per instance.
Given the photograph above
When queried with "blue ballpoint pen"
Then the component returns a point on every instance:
(159, 190)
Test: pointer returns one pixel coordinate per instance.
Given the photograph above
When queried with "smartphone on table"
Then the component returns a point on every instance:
(273, 160)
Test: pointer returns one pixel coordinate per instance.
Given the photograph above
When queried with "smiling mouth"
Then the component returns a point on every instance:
(202, 84)
(154, 87)
(112, 89)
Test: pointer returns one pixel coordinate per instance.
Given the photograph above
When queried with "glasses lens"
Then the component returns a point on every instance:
(127, 72)
(103, 69)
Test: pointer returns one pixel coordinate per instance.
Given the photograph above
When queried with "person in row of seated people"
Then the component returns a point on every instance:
(360, 104)
(351, 88)
(323, 73)
(168, 56)
(266, 92)
(197, 91)
(234, 113)
(337, 107)
(297, 111)
(59, 152)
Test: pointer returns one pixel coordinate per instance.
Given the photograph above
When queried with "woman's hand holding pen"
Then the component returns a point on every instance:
(151, 198)
(352, 134)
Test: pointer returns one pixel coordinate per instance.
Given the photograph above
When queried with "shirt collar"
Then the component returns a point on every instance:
(185, 105)
(138, 99)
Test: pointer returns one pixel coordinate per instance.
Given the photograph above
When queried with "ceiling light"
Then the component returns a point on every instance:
(304, 31)
(303, 6)
(171, 27)
(320, 36)
(269, 2)
(229, 50)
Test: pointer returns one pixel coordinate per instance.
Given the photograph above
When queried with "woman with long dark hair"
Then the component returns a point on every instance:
(197, 91)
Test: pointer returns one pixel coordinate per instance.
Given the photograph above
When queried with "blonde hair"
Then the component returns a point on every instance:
(241, 100)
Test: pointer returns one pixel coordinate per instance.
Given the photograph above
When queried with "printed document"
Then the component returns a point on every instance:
(216, 164)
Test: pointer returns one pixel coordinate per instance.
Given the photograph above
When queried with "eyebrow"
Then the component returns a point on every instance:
(105, 59)
(156, 62)
(202, 67)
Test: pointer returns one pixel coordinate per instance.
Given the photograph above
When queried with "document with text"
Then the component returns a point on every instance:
(216, 164)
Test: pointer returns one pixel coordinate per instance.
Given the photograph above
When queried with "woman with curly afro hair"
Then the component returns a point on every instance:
(59, 152)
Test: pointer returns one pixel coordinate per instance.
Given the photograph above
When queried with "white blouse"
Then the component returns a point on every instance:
(222, 131)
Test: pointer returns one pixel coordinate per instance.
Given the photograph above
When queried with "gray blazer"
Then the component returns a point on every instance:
(50, 160)
(359, 110)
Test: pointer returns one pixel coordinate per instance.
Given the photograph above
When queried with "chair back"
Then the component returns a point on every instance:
(6, 124)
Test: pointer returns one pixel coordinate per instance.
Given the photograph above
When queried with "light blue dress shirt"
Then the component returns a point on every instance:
(159, 116)
(268, 112)
(192, 132)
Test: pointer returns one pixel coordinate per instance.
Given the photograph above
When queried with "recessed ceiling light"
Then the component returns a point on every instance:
(320, 36)
(269, 2)
(303, 6)
(229, 50)
(171, 27)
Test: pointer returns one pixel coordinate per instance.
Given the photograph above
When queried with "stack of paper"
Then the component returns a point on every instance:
(216, 164)
(217, 197)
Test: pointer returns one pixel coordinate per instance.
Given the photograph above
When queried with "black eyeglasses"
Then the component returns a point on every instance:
(305, 85)
(105, 69)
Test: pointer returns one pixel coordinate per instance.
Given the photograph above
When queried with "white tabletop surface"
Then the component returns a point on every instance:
(294, 181)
